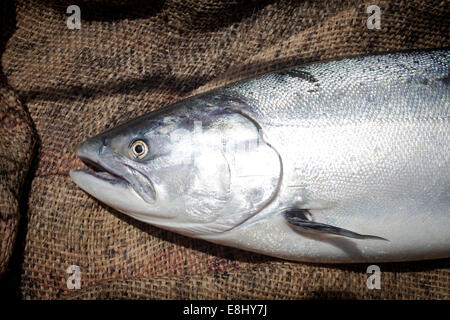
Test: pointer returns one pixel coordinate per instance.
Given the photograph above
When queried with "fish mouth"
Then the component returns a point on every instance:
(113, 180)
(96, 170)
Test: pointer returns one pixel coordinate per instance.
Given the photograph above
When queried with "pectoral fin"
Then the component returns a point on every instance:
(298, 218)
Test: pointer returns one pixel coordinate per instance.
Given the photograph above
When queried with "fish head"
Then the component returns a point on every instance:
(195, 167)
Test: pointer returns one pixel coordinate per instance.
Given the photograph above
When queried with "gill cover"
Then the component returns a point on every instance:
(234, 173)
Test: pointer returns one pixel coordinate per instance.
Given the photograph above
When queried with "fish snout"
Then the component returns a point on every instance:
(90, 150)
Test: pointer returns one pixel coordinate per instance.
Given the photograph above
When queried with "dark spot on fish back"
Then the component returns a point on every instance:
(301, 74)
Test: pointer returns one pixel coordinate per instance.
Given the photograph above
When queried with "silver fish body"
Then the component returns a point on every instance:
(344, 161)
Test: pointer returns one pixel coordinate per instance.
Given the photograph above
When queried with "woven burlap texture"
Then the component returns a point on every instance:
(130, 57)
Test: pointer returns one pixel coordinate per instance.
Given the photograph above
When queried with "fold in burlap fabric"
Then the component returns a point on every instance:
(16, 150)
(130, 57)
(17, 141)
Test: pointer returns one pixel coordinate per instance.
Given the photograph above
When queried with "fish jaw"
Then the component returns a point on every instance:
(106, 189)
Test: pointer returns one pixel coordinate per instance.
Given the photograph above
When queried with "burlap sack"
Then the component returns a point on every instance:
(130, 57)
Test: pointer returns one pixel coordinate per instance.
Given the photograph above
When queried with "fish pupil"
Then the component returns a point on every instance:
(138, 149)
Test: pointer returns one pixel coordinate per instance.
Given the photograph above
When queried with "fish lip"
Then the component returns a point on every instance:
(103, 175)
(100, 172)
(106, 190)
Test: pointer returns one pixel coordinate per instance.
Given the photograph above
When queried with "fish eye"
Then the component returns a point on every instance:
(138, 149)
